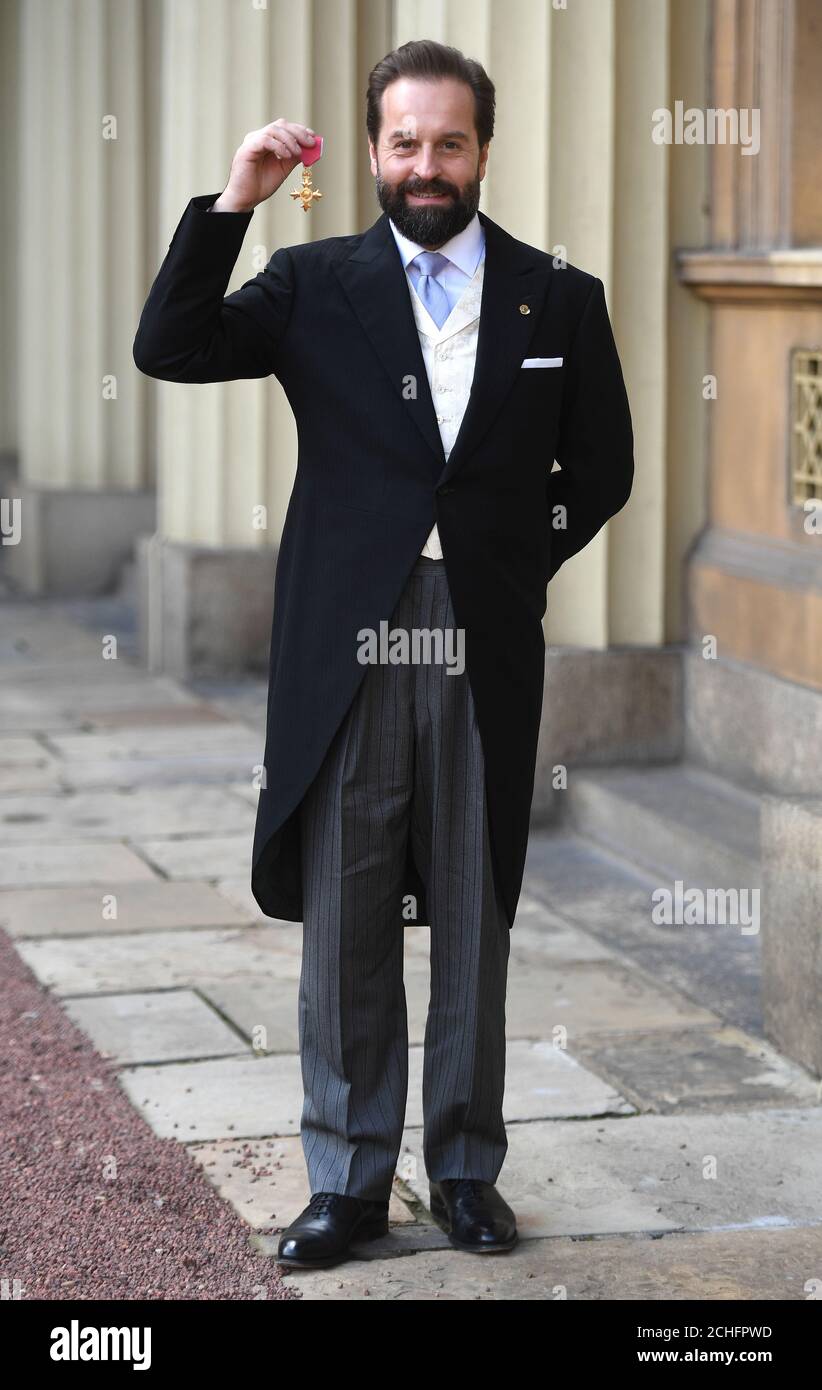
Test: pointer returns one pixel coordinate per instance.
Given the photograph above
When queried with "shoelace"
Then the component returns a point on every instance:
(322, 1202)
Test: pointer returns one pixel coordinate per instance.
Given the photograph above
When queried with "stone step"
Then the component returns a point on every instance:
(674, 820)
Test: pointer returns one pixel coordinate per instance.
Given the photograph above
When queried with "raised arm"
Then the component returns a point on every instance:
(595, 446)
(189, 329)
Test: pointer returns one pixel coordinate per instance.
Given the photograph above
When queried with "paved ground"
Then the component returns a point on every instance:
(659, 1148)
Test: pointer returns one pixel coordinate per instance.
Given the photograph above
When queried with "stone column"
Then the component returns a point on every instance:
(608, 207)
(227, 452)
(84, 484)
(791, 839)
(9, 261)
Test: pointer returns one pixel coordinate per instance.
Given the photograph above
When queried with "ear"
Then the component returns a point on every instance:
(483, 158)
(372, 154)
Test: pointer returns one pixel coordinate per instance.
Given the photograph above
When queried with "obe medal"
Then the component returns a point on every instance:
(307, 193)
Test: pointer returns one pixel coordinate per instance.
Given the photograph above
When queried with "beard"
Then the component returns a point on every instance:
(430, 227)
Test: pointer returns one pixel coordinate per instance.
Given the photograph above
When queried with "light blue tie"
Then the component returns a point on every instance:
(429, 289)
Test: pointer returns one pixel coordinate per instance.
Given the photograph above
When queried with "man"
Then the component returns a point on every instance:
(436, 368)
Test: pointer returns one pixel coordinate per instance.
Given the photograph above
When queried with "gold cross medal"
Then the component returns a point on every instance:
(307, 193)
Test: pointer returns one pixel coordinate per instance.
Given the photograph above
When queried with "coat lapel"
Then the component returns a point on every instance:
(376, 285)
(515, 280)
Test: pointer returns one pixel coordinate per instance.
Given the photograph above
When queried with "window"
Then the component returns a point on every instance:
(806, 426)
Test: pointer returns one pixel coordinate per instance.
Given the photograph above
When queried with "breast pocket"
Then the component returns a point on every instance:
(541, 384)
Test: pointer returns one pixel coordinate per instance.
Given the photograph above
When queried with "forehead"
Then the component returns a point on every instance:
(427, 107)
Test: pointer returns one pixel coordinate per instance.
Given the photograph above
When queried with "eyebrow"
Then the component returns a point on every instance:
(447, 135)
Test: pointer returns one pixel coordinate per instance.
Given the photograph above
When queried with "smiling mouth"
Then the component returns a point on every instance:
(428, 197)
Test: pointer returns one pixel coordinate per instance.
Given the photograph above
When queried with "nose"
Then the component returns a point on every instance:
(426, 165)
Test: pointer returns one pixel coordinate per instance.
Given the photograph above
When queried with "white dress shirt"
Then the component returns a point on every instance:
(449, 352)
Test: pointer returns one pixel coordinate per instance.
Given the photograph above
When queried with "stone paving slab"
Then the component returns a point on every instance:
(168, 1026)
(208, 857)
(18, 715)
(539, 934)
(158, 960)
(262, 1096)
(264, 1010)
(732, 1266)
(55, 706)
(244, 700)
(266, 1180)
(646, 1173)
(726, 974)
(601, 894)
(699, 1069)
(148, 906)
(237, 890)
(91, 687)
(23, 751)
(18, 718)
(152, 741)
(113, 815)
(562, 868)
(22, 778)
(543, 1081)
(255, 1097)
(32, 640)
(248, 792)
(157, 772)
(141, 716)
(39, 865)
(594, 997)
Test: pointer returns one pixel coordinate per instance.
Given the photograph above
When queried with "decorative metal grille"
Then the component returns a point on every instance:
(806, 426)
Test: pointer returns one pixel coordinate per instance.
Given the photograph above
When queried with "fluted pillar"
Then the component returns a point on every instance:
(226, 452)
(84, 478)
(9, 239)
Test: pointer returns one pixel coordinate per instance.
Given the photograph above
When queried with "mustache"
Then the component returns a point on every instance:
(429, 188)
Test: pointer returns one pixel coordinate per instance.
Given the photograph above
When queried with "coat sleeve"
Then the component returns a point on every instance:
(188, 331)
(595, 443)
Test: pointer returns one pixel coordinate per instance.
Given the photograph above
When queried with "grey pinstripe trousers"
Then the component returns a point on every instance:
(407, 760)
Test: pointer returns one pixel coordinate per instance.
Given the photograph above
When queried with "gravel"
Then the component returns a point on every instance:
(93, 1205)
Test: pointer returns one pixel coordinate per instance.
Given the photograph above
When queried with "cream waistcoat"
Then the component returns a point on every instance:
(449, 354)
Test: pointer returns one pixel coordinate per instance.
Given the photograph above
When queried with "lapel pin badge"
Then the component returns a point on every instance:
(306, 193)
(523, 308)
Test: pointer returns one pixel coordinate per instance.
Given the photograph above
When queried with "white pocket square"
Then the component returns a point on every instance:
(542, 362)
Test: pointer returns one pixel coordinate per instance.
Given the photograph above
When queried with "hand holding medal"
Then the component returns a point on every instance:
(264, 161)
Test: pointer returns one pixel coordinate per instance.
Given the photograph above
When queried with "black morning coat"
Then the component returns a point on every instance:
(332, 320)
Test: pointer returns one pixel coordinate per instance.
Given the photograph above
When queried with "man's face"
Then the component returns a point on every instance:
(427, 162)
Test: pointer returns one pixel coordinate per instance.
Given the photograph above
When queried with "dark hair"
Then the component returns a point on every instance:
(424, 58)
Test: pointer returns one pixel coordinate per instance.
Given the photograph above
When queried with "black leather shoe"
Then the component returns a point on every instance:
(473, 1215)
(330, 1223)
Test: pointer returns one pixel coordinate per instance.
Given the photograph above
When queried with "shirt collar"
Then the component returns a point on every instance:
(464, 249)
